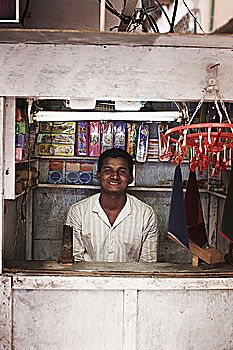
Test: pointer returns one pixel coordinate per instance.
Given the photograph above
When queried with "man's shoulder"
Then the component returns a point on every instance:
(85, 202)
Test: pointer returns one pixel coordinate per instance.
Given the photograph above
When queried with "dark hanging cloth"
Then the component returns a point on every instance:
(227, 219)
(177, 219)
(194, 213)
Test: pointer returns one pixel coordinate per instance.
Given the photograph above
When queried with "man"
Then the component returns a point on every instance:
(113, 225)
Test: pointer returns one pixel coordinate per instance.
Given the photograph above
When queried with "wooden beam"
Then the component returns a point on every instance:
(209, 255)
(2, 110)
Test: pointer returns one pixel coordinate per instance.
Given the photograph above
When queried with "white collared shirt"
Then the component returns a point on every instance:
(132, 237)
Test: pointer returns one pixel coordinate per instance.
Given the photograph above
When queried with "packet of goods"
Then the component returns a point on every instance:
(72, 172)
(18, 154)
(82, 139)
(56, 138)
(57, 127)
(94, 139)
(107, 136)
(21, 128)
(55, 150)
(142, 145)
(120, 135)
(86, 173)
(55, 174)
(153, 148)
(131, 138)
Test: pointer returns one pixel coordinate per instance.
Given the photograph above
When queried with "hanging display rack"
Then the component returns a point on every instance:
(203, 144)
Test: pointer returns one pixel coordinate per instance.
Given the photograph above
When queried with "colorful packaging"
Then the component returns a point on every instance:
(57, 127)
(19, 115)
(142, 145)
(55, 175)
(131, 138)
(18, 154)
(82, 139)
(21, 128)
(79, 172)
(107, 135)
(56, 138)
(94, 139)
(56, 150)
(153, 149)
(86, 173)
(19, 140)
(120, 135)
(72, 172)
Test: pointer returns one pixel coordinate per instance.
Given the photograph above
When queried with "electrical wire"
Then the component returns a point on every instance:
(195, 19)
(164, 12)
(173, 17)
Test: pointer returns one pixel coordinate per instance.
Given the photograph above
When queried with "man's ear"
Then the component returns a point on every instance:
(98, 175)
(130, 179)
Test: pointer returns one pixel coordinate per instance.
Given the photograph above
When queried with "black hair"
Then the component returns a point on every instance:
(116, 153)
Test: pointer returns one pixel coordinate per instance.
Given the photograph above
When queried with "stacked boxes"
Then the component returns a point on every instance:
(71, 172)
(56, 138)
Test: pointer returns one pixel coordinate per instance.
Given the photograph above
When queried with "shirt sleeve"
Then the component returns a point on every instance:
(74, 220)
(150, 238)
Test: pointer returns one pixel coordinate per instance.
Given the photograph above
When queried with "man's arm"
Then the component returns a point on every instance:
(73, 219)
(149, 249)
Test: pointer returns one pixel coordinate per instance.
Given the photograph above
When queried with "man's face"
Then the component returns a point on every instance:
(114, 175)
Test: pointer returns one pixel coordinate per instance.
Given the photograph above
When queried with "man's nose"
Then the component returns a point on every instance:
(115, 174)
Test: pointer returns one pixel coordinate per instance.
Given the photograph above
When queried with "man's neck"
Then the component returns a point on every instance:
(112, 202)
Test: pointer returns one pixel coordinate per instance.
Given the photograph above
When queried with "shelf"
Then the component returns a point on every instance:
(96, 187)
(69, 158)
(25, 161)
(220, 195)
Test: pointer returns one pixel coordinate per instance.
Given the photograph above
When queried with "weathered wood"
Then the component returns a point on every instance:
(210, 255)
(29, 226)
(9, 149)
(75, 37)
(185, 320)
(126, 269)
(2, 110)
(89, 71)
(67, 246)
(67, 319)
(130, 320)
(213, 221)
(5, 313)
(121, 283)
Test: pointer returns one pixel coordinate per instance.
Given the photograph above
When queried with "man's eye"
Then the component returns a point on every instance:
(122, 172)
(107, 171)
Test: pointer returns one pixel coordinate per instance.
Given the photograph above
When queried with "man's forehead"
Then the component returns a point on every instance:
(117, 162)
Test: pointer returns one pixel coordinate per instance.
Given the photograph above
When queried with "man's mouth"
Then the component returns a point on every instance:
(114, 183)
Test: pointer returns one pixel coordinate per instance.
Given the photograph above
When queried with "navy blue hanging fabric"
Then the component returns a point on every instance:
(177, 227)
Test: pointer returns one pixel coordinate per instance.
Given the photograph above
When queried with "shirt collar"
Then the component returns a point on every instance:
(126, 210)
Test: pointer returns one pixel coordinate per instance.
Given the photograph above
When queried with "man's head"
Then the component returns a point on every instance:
(115, 170)
(116, 153)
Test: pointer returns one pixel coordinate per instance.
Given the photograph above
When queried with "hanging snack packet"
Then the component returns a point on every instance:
(107, 136)
(82, 139)
(131, 138)
(120, 135)
(94, 139)
(142, 145)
